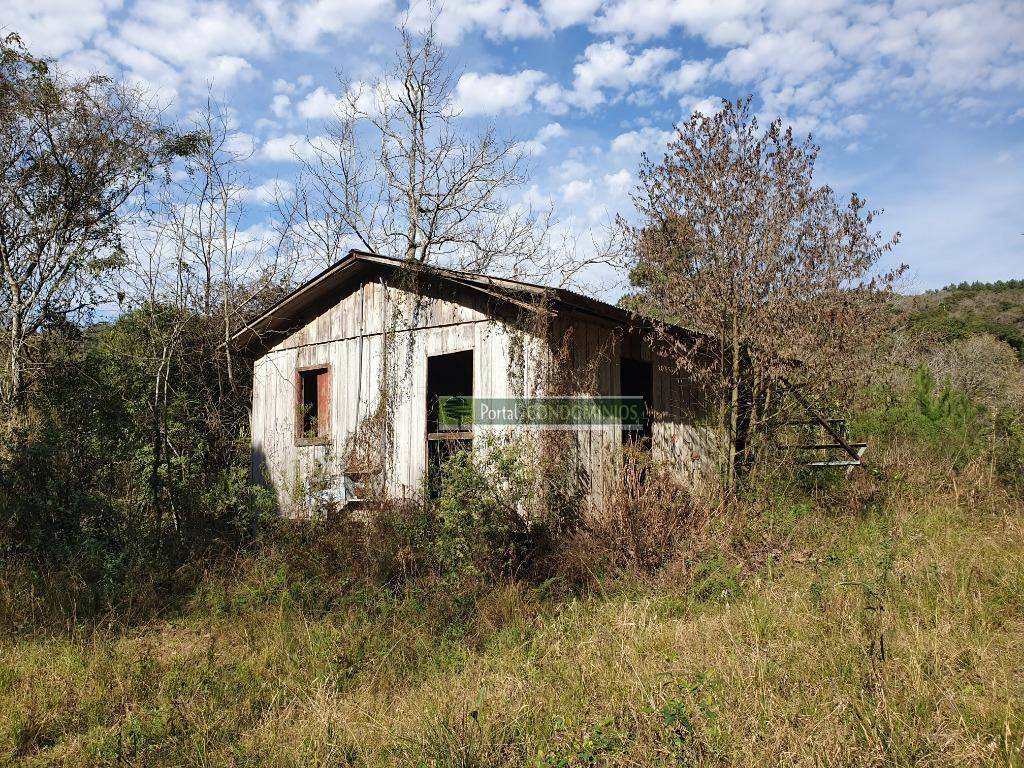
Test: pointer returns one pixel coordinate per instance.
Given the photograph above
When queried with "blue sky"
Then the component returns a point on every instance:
(918, 105)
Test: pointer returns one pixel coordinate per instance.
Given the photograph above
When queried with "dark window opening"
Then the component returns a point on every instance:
(314, 393)
(447, 375)
(637, 380)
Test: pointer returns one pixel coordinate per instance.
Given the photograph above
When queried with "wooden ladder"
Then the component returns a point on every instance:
(838, 450)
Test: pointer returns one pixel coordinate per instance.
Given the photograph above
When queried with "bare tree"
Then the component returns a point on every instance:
(396, 174)
(777, 275)
(219, 268)
(73, 154)
(194, 275)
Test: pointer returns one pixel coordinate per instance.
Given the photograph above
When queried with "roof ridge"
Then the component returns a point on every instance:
(576, 301)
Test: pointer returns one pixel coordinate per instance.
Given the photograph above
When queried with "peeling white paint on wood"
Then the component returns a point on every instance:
(353, 336)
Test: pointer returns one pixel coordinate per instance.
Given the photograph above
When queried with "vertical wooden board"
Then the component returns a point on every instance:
(323, 394)
(349, 317)
(594, 365)
(257, 418)
(276, 425)
(344, 372)
(414, 379)
(486, 361)
(580, 349)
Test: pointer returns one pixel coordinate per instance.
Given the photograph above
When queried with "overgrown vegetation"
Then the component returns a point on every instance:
(861, 624)
(773, 273)
(862, 621)
(155, 610)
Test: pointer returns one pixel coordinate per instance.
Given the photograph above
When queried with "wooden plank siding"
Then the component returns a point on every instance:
(373, 324)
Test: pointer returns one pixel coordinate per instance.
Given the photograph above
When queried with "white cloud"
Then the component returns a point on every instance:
(269, 191)
(301, 83)
(493, 94)
(498, 19)
(141, 66)
(533, 147)
(280, 105)
(565, 13)
(535, 199)
(553, 98)
(225, 70)
(538, 144)
(304, 23)
(319, 104)
(198, 40)
(647, 139)
(785, 58)
(241, 144)
(721, 22)
(163, 46)
(859, 85)
(571, 168)
(291, 147)
(832, 56)
(844, 126)
(686, 77)
(619, 182)
(707, 105)
(86, 61)
(551, 131)
(57, 27)
(611, 65)
(606, 66)
(576, 190)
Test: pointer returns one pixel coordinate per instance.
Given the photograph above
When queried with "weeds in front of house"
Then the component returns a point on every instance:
(861, 622)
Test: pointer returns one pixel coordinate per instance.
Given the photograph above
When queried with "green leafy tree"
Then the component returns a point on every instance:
(73, 155)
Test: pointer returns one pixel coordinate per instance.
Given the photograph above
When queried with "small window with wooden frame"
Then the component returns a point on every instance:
(313, 405)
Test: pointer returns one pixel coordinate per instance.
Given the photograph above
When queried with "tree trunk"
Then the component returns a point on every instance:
(734, 406)
(14, 397)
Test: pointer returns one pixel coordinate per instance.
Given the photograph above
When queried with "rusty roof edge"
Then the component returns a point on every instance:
(338, 266)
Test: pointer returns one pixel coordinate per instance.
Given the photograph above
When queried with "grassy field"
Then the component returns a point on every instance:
(884, 631)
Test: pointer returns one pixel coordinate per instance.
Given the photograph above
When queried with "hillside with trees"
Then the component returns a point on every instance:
(966, 309)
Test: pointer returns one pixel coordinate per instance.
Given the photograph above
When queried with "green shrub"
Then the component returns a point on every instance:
(940, 419)
(481, 509)
(100, 467)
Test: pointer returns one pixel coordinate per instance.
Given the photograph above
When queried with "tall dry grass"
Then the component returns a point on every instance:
(878, 625)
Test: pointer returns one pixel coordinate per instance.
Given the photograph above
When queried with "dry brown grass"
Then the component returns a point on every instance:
(647, 519)
(769, 651)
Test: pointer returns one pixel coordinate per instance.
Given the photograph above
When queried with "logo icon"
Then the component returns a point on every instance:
(455, 413)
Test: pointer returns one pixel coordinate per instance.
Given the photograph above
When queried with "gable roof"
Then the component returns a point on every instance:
(321, 291)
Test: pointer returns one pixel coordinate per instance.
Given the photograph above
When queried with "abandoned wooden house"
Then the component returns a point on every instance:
(349, 367)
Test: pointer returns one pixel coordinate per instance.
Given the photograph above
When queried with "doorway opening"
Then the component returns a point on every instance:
(637, 380)
(448, 376)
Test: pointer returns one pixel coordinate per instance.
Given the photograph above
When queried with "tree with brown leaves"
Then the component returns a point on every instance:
(778, 276)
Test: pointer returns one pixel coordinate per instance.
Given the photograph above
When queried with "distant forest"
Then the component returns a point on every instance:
(967, 309)
(998, 285)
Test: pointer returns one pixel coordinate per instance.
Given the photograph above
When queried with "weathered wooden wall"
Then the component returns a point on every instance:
(374, 321)
(681, 435)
